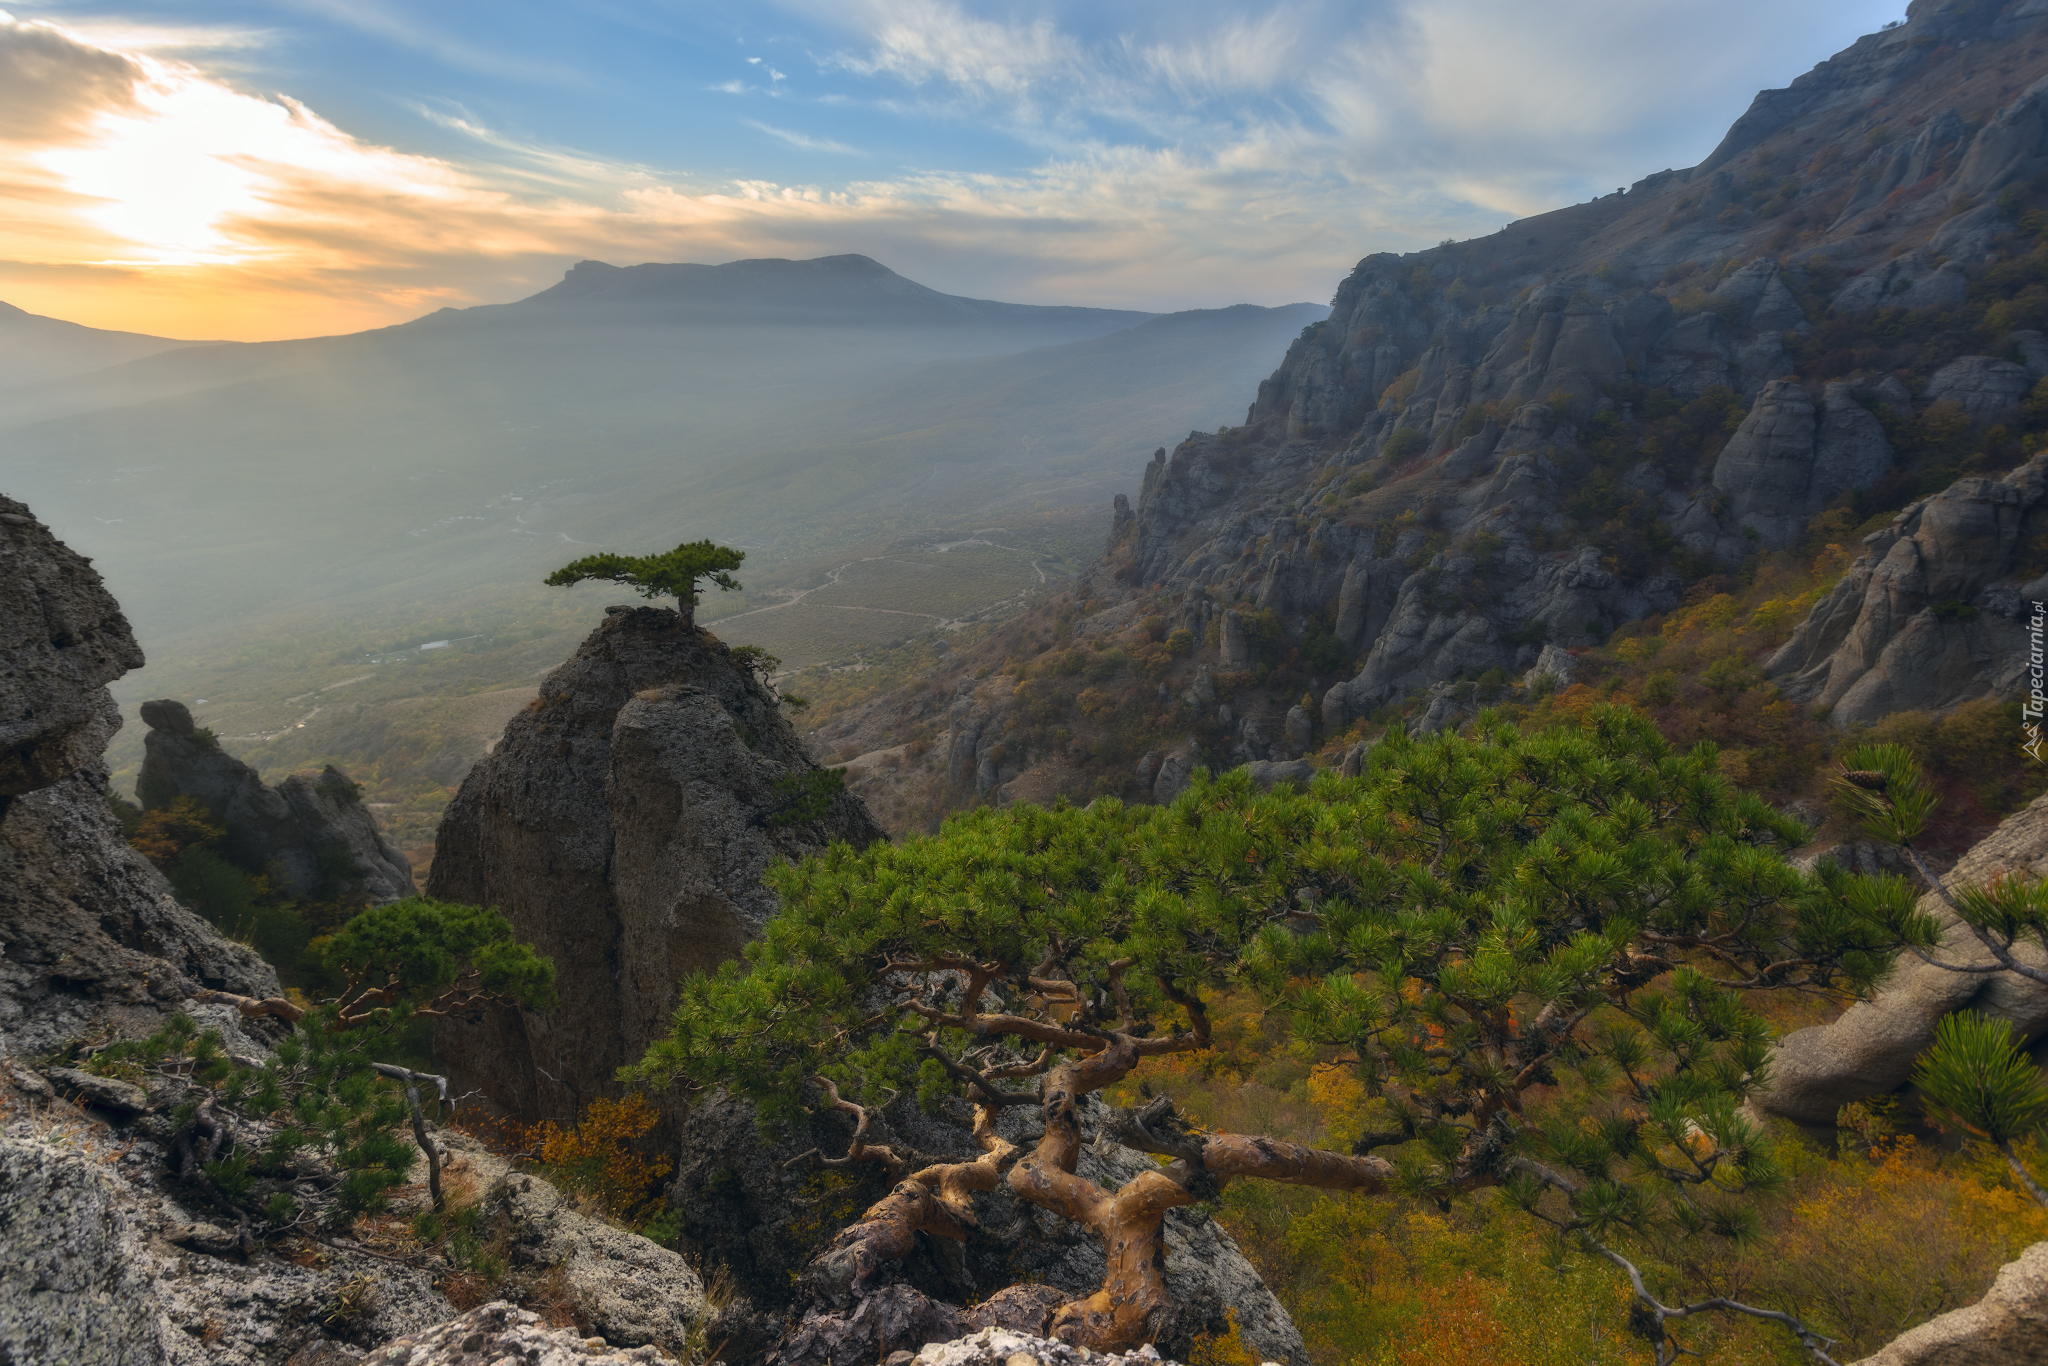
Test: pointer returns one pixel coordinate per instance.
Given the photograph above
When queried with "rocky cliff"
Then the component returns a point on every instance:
(623, 824)
(312, 828)
(1931, 614)
(90, 936)
(1523, 442)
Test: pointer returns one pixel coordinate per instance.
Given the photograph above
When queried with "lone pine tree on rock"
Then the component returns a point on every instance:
(1532, 950)
(671, 574)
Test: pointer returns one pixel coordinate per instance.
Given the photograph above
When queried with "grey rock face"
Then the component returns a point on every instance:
(1871, 1049)
(623, 825)
(74, 1274)
(62, 640)
(90, 935)
(1921, 620)
(1560, 665)
(500, 1332)
(1765, 468)
(1266, 772)
(94, 1269)
(1298, 729)
(1851, 453)
(1988, 390)
(313, 826)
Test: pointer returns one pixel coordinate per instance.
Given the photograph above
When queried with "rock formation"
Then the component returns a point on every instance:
(62, 640)
(1931, 614)
(90, 936)
(312, 827)
(624, 824)
(2007, 1327)
(1871, 1049)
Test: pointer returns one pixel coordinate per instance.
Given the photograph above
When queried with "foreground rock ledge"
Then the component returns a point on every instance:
(504, 1332)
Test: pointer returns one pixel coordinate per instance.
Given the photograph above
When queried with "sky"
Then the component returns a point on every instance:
(224, 169)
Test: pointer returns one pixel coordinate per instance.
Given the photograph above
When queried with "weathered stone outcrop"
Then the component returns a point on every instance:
(101, 1266)
(62, 640)
(623, 824)
(312, 826)
(2008, 1327)
(1932, 614)
(90, 936)
(1987, 390)
(1871, 1049)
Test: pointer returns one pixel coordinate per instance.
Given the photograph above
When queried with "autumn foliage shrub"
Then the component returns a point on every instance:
(595, 1157)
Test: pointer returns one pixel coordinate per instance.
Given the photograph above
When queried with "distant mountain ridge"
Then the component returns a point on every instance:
(35, 350)
(856, 287)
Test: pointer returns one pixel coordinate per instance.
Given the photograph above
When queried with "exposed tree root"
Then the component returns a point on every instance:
(938, 1200)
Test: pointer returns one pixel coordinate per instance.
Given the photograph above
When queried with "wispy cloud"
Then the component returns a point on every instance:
(403, 26)
(1203, 154)
(802, 140)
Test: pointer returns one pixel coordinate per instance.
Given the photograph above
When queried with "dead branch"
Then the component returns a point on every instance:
(859, 1150)
(249, 1007)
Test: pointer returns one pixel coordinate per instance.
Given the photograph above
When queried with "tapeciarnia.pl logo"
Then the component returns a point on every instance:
(2032, 710)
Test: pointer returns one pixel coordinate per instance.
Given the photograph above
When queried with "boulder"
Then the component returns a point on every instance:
(1176, 771)
(1560, 666)
(1987, 389)
(2007, 1327)
(313, 827)
(91, 937)
(62, 640)
(623, 825)
(109, 1093)
(501, 1332)
(1298, 730)
(630, 1291)
(1928, 617)
(1266, 772)
(1871, 1048)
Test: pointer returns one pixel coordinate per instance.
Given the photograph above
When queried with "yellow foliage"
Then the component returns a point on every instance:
(1337, 1091)
(1715, 614)
(593, 1156)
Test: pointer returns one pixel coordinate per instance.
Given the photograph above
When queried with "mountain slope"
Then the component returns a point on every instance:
(1569, 445)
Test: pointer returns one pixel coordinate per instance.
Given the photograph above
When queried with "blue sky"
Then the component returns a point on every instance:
(245, 169)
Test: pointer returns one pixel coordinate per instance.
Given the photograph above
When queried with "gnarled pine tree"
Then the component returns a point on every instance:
(1468, 924)
(671, 574)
